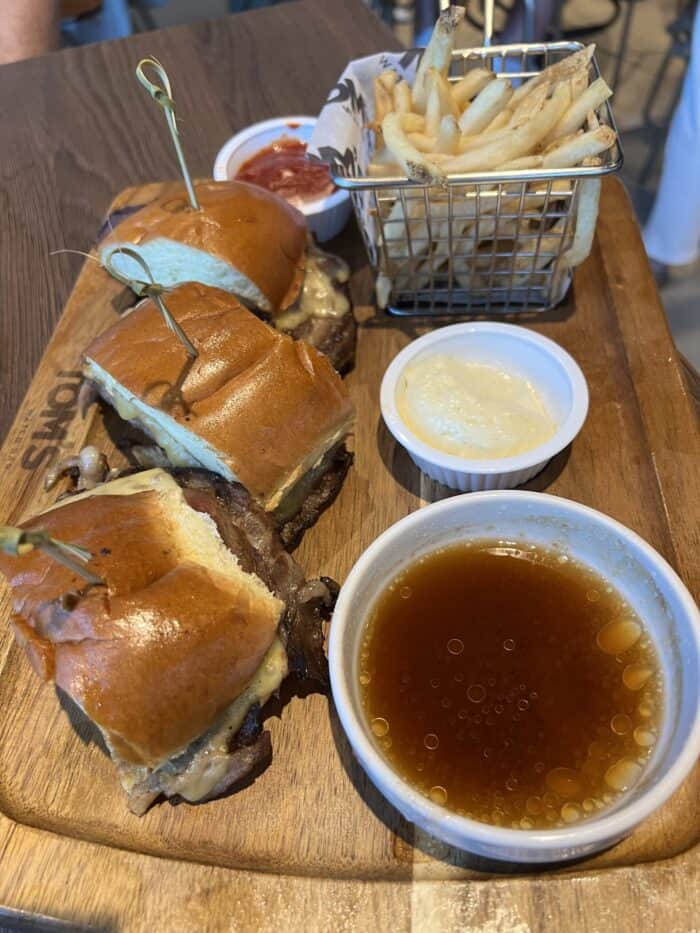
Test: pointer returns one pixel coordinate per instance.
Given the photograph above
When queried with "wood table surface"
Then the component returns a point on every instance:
(77, 129)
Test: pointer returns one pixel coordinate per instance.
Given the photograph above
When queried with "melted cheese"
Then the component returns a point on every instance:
(320, 297)
(210, 763)
(197, 777)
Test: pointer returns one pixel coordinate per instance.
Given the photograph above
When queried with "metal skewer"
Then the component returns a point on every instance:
(17, 542)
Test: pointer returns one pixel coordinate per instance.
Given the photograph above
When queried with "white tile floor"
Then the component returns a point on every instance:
(647, 45)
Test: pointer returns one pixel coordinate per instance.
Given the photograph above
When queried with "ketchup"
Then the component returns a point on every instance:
(284, 168)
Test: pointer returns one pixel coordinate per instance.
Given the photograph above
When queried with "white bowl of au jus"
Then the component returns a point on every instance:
(603, 754)
(327, 214)
(483, 405)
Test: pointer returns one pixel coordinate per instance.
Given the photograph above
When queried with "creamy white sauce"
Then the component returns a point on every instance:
(471, 410)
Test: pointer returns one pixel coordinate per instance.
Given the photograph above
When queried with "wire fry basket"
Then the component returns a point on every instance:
(486, 242)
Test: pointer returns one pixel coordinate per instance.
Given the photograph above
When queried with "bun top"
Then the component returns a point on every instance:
(265, 406)
(172, 640)
(252, 229)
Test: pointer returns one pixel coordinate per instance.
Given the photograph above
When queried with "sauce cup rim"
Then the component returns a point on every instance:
(220, 170)
(588, 835)
(564, 435)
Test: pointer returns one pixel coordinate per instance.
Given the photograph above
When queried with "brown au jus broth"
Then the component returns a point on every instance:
(510, 684)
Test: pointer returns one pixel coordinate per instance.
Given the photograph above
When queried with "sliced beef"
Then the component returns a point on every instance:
(247, 752)
(242, 763)
(335, 337)
(250, 533)
(319, 496)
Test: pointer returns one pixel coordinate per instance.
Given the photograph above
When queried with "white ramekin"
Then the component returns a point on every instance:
(550, 369)
(327, 216)
(642, 577)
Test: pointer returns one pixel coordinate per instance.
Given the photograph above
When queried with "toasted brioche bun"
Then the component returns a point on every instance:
(255, 406)
(175, 637)
(244, 240)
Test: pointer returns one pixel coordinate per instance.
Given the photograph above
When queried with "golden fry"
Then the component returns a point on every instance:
(562, 70)
(470, 85)
(577, 149)
(384, 170)
(524, 163)
(516, 143)
(383, 102)
(531, 103)
(586, 216)
(448, 136)
(403, 100)
(388, 79)
(501, 120)
(576, 115)
(413, 162)
(439, 81)
(422, 141)
(485, 107)
(433, 112)
(412, 123)
(438, 53)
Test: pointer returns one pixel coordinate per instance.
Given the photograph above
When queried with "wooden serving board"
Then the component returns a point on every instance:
(313, 821)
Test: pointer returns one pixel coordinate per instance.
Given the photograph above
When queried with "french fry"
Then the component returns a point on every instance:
(487, 104)
(531, 103)
(388, 79)
(579, 82)
(437, 53)
(448, 136)
(408, 215)
(470, 85)
(413, 162)
(403, 99)
(422, 141)
(433, 111)
(501, 120)
(576, 150)
(578, 111)
(524, 163)
(518, 142)
(439, 81)
(526, 88)
(412, 123)
(565, 68)
(383, 102)
(476, 140)
(548, 243)
(587, 213)
(384, 170)
(562, 141)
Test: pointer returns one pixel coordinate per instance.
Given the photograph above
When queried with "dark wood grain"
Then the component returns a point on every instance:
(77, 128)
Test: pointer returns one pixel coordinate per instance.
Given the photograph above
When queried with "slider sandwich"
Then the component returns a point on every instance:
(246, 241)
(200, 616)
(254, 406)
